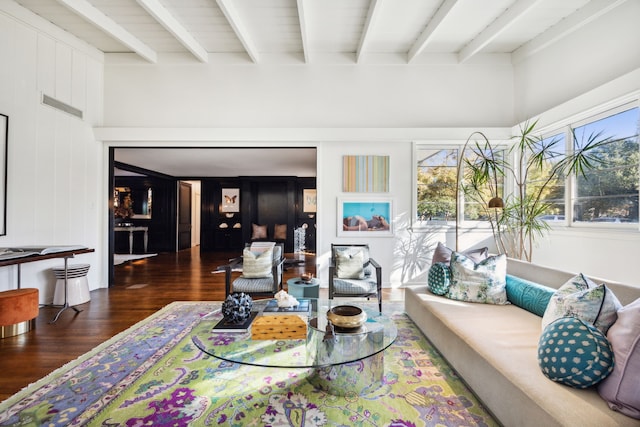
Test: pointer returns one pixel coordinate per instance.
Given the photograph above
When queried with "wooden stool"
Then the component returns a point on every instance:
(18, 311)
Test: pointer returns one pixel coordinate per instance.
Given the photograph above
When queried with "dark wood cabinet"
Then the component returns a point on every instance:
(267, 201)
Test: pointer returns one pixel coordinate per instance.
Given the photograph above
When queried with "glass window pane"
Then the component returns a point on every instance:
(476, 203)
(609, 192)
(436, 185)
(544, 157)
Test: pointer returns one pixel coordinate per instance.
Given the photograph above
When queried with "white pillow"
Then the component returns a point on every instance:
(484, 282)
(582, 298)
(350, 265)
(255, 266)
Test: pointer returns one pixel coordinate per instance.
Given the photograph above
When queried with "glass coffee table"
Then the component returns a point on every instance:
(349, 361)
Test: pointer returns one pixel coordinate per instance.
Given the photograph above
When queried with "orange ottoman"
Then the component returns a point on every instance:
(18, 310)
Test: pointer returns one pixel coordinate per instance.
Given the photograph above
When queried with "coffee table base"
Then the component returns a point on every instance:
(361, 377)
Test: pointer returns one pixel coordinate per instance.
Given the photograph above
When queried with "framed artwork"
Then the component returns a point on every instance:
(369, 216)
(309, 200)
(4, 142)
(365, 174)
(230, 200)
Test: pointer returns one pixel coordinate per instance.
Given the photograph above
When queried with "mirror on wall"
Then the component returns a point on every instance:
(133, 203)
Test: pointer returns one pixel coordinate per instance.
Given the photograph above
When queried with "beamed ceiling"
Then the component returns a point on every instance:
(313, 31)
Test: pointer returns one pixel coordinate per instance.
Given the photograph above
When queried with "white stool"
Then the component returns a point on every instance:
(77, 285)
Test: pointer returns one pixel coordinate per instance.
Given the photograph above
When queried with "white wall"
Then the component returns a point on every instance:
(188, 94)
(55, 169)
(600, 52)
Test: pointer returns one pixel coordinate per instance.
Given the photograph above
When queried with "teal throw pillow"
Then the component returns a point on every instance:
(574, 353)
(439, 278)
(530, 296)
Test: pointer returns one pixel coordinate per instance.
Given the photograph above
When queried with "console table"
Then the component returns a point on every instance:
(16, 259)
(131, 230)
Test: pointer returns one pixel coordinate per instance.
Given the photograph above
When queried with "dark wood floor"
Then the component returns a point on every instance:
(141, 288)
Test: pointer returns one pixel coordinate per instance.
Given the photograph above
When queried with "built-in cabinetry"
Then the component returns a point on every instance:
(265, 201)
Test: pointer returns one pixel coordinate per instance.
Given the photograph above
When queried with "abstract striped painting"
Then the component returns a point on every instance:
(365, 174)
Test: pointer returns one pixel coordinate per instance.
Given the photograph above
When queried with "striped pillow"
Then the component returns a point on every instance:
(255, 266)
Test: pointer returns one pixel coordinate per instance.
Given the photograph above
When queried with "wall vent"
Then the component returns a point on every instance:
(59, 105)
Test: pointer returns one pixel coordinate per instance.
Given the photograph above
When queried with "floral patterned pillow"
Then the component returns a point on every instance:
(484, 282)
(582, 298)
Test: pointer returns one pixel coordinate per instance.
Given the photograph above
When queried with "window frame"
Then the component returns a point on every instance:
(565, 127)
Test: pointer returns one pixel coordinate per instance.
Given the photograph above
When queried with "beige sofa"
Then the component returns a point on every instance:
(494, 349)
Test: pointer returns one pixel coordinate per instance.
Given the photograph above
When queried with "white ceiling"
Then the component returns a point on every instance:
(221, 162)
(402, 32)
(309, 31)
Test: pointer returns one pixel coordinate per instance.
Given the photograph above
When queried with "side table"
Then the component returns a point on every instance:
(300, 289)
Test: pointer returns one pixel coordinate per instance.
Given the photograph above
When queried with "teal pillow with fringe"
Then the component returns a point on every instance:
(530, 296)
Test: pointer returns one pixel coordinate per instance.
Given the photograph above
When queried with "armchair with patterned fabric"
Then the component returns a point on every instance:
(262, 266)
(353, 273)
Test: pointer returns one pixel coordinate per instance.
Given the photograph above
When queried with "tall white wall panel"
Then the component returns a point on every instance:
(54, 172)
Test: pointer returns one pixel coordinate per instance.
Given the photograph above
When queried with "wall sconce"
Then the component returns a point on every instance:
(495, 202)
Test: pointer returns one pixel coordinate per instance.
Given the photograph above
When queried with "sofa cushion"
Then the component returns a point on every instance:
(256, 266)
(483, 282)
(620, 389)
(350, 264)
(582, 298)
(443, 254)
(528, 295)
(573, 352)
(439, 278)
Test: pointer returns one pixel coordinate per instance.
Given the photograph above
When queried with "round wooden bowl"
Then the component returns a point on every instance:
(347, 316)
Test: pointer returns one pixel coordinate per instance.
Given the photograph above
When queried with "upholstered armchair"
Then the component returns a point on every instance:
(353, 273)
(262, 267)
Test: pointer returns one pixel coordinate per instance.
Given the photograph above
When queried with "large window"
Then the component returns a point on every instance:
(606, 195)
(436, 184)
(609, 192)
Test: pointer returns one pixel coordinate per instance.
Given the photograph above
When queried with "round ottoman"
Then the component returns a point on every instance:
(18, 310)
(77, 285)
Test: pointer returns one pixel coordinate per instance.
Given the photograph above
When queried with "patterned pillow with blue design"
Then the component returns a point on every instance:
(484, 282)
(582, 298)
(439, 278)
(573, 352)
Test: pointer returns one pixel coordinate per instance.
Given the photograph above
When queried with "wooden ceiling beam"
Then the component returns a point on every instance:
(372, 15)
(497, 27)
(587, 14)
(91, 14)
(427, 34)
(241, 30)
(171, 24)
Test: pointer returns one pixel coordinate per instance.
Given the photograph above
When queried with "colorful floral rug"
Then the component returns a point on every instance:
(152, 375)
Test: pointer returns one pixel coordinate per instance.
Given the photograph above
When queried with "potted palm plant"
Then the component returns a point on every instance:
(537, 168)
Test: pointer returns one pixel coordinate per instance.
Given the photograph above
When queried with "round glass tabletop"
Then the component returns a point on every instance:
(318, 349)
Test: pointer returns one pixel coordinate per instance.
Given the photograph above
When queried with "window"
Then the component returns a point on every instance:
(607, 196)
(609, 192)
(548, 151)
(436, 185)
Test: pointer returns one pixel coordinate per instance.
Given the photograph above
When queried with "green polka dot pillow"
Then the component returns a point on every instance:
(439, 278)
(574, 353)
